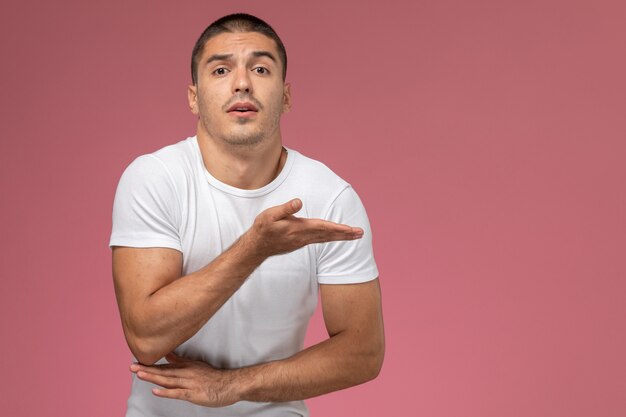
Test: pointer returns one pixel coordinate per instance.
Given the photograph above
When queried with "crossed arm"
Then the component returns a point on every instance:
(148, 282)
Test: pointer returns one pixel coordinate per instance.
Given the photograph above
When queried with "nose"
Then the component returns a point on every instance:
(241, 82)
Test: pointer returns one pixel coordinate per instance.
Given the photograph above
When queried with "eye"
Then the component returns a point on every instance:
(220, 71)
(261, 70)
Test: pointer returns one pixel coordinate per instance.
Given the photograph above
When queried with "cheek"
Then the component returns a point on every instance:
(208, 104)
(213, 96)
(278, 102)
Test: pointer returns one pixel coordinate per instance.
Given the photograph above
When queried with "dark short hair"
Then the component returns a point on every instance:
(237, 22)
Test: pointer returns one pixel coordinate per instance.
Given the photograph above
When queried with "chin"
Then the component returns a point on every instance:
(244, 140)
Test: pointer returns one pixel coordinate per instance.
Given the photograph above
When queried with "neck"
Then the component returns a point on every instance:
(245, 167)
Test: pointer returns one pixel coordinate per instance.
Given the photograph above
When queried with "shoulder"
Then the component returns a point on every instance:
(319, 185)
(316, 174)
(170, 164)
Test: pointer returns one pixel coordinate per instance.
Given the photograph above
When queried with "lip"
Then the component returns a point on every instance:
(242, 114)
(250, 108)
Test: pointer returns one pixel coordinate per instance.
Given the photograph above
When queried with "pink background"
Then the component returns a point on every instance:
(486, 139)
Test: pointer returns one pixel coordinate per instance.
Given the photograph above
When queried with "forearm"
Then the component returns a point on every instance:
(182, 307)
(160, 309)
(351, 356)
(340, 362)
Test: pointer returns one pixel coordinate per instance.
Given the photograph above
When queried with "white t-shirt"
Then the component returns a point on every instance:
(169, 199)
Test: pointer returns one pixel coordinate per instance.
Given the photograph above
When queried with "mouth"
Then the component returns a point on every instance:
(242, 109)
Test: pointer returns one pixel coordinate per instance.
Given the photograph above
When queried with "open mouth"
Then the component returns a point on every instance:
(242, 108)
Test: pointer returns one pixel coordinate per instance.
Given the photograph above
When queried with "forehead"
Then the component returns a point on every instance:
(239, 43)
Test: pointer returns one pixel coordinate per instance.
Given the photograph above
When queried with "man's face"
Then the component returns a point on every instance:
(240, 94)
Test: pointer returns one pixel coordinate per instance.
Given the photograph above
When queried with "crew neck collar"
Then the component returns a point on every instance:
(266, 189)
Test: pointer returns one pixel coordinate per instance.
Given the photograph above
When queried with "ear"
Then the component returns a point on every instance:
(287, 98)
(192, 97)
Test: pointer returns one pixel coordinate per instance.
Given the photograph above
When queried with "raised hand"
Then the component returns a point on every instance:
(276, 230)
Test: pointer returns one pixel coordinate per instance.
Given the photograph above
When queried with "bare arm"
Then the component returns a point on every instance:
(160, 309)
(352, 355)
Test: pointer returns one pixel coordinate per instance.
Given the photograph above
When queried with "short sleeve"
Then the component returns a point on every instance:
(347, 262)
(146, 211)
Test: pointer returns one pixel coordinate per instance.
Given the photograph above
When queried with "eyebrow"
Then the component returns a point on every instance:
(226, 57)
(218, 57)
(264, 53)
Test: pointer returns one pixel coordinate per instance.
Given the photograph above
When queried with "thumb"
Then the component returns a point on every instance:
(287, 209)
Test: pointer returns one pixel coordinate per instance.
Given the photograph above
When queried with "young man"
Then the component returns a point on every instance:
(215, 275)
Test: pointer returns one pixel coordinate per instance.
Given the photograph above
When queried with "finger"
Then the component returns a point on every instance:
(330, 236)
(175, 393)
(331, 233)
(162, 380)
(358, 232)
(284, 210)
(326, 226)
(163, 369)
(333, 237)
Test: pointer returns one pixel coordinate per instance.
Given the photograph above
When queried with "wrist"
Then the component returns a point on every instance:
(244, 383)
(250, 247)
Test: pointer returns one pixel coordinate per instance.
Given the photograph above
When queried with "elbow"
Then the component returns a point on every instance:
(375, 364)
(146, 359)
(146, 348)
(145, 351)
(371, 363)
